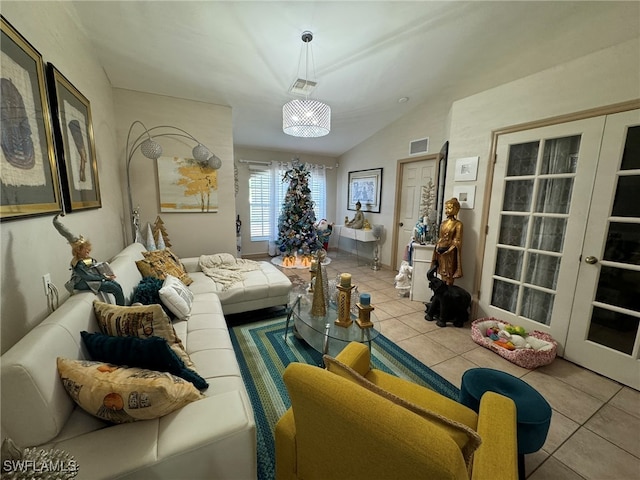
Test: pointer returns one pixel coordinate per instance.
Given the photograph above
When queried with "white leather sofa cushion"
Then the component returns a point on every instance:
(211, 435)
(263, 288)
(35, 405)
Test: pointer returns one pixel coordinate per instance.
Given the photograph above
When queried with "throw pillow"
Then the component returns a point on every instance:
(161, 263)
(148, 292)
(121, 394)
(177, 297)
(153, 353)
(142, 321)
(466, 438)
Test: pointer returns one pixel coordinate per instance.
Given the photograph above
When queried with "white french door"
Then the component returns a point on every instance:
(550, 216)
(603, 331)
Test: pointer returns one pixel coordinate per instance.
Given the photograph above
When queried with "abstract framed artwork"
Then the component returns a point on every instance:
(365, 186)
(29, 182)
(187, 186)
(75, 146)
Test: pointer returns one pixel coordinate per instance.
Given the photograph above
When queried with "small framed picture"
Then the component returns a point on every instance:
(466, 195)
(466, 169)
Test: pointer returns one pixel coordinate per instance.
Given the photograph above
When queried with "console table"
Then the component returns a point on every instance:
(359, 235)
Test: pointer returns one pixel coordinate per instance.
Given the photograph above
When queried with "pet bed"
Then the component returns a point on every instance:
(542, 347)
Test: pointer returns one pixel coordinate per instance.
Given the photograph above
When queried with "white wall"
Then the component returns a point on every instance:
(191, 234)
(606, 77)
(384, 149)
(242, 199)
(32, 247)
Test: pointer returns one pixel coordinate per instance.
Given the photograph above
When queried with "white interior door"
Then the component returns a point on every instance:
(603, 333)
(415, 175)
(543, 181)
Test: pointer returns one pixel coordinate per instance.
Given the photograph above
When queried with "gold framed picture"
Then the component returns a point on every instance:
(75, 145)
(29, 182)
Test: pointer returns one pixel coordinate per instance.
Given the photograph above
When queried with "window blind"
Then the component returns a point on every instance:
(266, 197)
(260, 204)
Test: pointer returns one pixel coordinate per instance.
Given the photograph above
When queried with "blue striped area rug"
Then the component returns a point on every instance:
(263, 355)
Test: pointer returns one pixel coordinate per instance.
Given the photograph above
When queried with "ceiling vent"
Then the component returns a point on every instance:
(302, 87)
(420, 146)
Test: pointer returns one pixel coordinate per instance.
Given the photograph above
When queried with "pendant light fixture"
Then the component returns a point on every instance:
(306, 118)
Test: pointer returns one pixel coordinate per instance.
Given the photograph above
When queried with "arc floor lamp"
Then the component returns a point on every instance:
(153, 150)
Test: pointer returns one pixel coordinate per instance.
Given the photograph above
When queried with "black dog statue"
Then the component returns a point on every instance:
(449, 303)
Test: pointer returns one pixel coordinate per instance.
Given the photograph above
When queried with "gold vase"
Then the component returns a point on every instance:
(318, 307)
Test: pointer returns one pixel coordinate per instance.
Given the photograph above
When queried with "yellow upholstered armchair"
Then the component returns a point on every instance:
(349, 421)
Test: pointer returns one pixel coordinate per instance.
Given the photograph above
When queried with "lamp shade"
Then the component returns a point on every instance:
(306, 118)
(214, 162)
(201, 153)
(151, 149)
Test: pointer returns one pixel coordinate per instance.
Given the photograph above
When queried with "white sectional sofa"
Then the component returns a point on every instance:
(212, 438)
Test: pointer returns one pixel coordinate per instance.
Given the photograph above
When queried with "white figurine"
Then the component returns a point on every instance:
(403, 279)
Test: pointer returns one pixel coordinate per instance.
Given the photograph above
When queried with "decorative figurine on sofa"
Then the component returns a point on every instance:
(449, 303)
(86, 272)
(448, 251)
(357, 221)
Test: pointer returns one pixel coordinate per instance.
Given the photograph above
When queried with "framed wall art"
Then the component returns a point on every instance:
(75, 146)
(466, 169)
(365, 186)
(187, 186)
(466, 195)
(29, 182)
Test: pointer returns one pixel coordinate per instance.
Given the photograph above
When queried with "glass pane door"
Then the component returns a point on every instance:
(604, 331)
(540, 199)
(616, 309)
(538, 187)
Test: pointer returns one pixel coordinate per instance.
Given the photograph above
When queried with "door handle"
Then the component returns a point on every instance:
(591, 260)
(401, 224)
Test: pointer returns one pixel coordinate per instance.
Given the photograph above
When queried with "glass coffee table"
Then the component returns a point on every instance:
(321, 333)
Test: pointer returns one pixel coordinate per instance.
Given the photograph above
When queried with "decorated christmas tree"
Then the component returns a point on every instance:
(296, 224)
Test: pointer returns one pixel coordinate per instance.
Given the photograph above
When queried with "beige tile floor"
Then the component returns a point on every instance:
(595, 426)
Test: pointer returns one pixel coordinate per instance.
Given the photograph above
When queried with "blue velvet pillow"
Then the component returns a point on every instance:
(148, 293)
(153, 353)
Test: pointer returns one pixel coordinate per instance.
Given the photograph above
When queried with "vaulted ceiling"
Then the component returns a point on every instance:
(367, 55)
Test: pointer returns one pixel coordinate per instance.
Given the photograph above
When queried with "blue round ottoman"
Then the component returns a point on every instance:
(533, 411)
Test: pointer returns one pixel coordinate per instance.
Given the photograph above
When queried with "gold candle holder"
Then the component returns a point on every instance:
(364, 315)
(344, 305)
